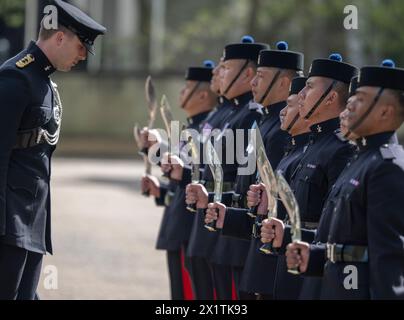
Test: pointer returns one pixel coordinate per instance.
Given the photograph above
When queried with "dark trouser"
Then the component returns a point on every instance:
(222, 276)
(202, 278)
(20, 270)
(175, 273)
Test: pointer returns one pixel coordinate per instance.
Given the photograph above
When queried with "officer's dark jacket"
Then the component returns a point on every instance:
(365, 208)
(27, 102)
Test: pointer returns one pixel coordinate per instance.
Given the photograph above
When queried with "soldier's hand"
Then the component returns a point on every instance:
(151, 184)
(196, 193)
(144, 138)
(176, 167)
(148, 138)
(254, 195)
(297, 255)
(212, 214)
(272, 230)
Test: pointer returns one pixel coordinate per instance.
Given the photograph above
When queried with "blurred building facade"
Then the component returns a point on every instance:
(104, 96)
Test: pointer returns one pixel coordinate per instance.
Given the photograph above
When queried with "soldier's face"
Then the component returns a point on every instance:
(260, 83)
(290, 111)
(70, 52)
(185, 93)
(357, 107)
(231, 69)
(344, 126)
(311, 93)
(288, 115)
(215, 83)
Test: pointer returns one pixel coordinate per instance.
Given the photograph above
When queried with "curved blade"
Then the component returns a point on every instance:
(216, 169)
(267, 175)
(166, 114)
(136, 134)
(291, 205)
(195, 174)
(151, 100)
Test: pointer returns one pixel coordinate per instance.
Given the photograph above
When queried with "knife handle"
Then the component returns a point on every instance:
(191, 207)
(295, 270)
(268, 248)
(212, 225)
(167, 174)
(252, 212)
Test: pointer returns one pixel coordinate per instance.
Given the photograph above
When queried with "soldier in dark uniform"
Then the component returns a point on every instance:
(321, 101)
(286, 286)
(197, 100)
(30, 119)
(276, 69)
(227, 255)
(358, 247)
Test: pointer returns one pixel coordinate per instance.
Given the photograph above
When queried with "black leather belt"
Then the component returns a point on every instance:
(309, 225)
(347, 253)
(29, 138)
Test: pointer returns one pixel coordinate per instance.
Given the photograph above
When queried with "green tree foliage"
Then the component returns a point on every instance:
(12, 12)
(198, 30)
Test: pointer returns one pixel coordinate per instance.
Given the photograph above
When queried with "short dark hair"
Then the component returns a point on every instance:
(399, 96)
(291, 74)
(252, 64)
(343, 93)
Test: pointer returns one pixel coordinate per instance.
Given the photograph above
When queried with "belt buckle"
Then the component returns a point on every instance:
(331, 252)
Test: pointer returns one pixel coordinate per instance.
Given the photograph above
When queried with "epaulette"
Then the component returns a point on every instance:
(394, 152)
(340, 136)
(26, 61)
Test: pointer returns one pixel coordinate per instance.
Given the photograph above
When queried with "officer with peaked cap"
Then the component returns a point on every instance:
(358, 248)
(321, 101)
(30, 121)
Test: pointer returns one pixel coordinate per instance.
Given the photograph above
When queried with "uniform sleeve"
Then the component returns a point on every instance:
(385, 223)
(14, 98)
(237, 224)
(317, 260)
